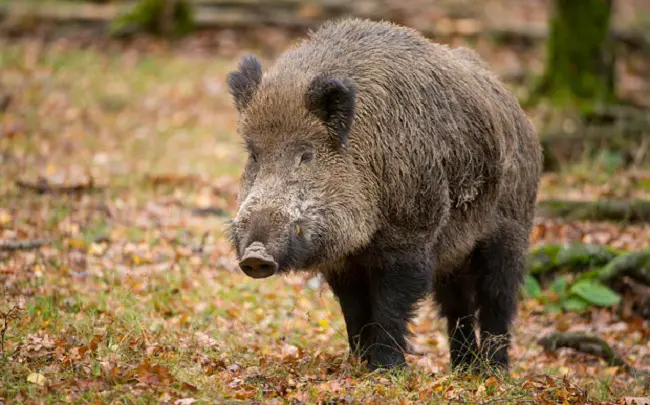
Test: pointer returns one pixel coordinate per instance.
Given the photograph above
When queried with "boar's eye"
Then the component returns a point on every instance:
(254, 157)
(306, 157)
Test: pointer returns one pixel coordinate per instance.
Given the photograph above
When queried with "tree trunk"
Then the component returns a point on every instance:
(166, 17)
(580, 64)
(169, 18)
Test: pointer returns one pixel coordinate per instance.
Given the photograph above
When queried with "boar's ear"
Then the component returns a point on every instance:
(332, 101)
(244, 82)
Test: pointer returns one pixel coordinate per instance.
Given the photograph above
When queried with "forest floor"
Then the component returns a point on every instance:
(126, 161)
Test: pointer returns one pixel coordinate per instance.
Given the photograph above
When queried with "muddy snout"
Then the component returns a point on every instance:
(256, 262)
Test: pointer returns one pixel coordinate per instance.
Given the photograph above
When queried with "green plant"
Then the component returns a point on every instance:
(576, 296)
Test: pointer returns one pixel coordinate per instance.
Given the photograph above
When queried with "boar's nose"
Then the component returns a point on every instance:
(257, 263)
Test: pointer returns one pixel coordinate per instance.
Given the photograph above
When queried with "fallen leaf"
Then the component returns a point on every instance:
(184, 401)
(36, 378)
(189, 387)
(5, 217)
(95, 342)
(491, 382)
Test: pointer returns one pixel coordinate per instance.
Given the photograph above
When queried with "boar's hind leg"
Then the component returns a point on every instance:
(455, 293)
(351, 290)
(498, 261)
(397, 281)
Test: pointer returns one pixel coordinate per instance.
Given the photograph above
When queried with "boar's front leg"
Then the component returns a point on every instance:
(397, 280)
(351, 289)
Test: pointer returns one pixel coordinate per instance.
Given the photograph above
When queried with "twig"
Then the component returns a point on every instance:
(6, 317)
(200, 248)
(208, 211)
(642, 152)
(11, 245)
(590, 345)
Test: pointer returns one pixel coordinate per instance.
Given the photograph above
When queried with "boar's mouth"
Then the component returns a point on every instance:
(256, 262)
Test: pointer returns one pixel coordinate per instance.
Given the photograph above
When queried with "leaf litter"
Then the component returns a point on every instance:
(138, 297)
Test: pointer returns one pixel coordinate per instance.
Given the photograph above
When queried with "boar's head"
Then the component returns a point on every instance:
(302, 199)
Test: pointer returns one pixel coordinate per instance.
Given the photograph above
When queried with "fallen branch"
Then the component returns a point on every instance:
(590, 345)
(618, 113)
(635, 298)
(610, 264)
(635, 265)
(564, 147)
(176, 180)
(633, 211)
(622, 127)
(532, 33)
(13, 245)
(42, 186)
(618, 136)
(578, 257)
(209, 211)
(9, 315)
(626, 273)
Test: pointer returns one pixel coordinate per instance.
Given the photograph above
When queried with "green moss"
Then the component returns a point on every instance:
(579, 70)
(148, 16)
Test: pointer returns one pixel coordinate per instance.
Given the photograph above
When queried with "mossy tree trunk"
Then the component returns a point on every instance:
(580, 65)
(168, 18)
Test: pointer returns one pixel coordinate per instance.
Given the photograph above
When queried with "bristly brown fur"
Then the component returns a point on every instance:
(434, 188)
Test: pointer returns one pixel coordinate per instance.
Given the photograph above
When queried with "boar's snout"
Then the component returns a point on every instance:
(257, 263)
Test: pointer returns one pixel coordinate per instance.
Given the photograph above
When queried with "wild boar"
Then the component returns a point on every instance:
(396, 167)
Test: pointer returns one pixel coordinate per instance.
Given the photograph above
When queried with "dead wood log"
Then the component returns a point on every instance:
(623, 127)
(627, 273)
(632, 211)
(209, 211)
(544, 261)
(42, 186)
(610, 264)
(635, 265)
(593, 345)
(14, 245)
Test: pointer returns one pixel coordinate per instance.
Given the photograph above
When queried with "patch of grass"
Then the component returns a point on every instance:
(94, 231)
(134, 111)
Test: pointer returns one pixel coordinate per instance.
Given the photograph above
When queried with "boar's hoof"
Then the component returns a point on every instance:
(256, 263)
